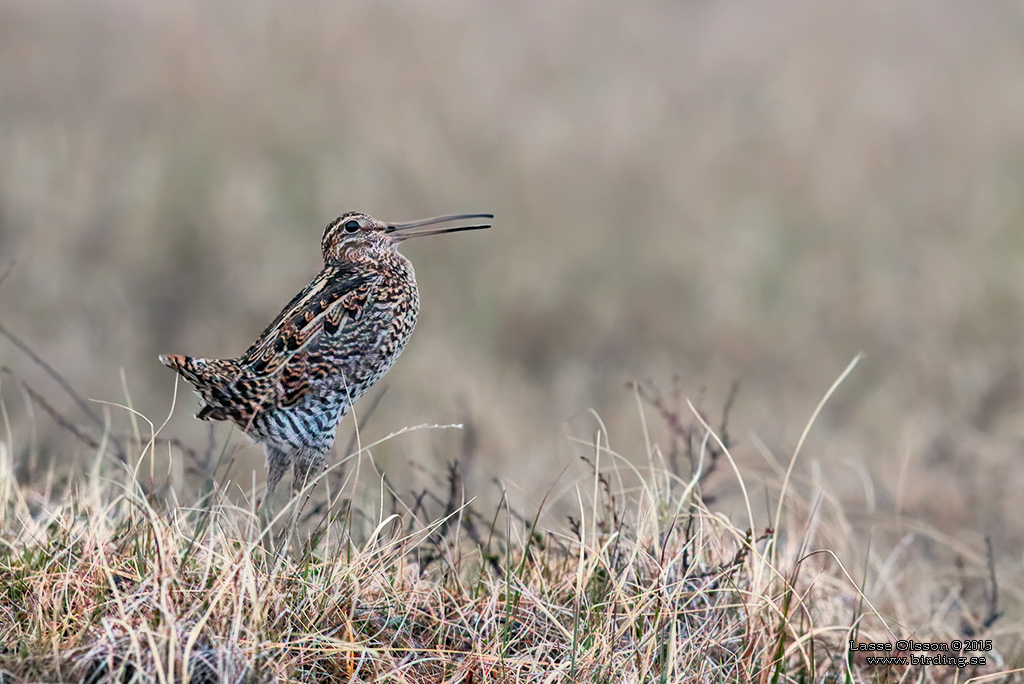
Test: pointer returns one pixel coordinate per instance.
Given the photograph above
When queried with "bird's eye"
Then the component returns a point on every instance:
(351, 226)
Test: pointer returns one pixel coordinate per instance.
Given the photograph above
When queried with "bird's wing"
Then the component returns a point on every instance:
(287, 349)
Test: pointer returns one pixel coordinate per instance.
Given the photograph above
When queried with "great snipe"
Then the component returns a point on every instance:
(329, 345)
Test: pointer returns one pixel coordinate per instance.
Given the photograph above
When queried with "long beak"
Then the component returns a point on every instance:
(397, 231)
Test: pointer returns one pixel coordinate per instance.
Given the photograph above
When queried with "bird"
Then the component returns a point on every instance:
(327, 347)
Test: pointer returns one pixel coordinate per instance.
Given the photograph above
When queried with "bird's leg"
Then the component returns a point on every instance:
(278, 461)
(309, 463)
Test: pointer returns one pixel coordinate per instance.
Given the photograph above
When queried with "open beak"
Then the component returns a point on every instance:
(404, 231)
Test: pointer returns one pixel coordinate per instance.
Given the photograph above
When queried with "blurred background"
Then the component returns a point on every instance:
(686, 193)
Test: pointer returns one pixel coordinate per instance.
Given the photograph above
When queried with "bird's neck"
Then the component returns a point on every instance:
(381, 258)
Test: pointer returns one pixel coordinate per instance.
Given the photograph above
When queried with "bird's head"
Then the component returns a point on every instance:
(355, 234)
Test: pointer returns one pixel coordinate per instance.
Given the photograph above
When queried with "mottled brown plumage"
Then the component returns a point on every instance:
(329, 345)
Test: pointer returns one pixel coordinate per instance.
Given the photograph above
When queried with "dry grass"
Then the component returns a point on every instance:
(105, 576)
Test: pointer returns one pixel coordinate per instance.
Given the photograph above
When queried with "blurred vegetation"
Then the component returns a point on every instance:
(705, 190)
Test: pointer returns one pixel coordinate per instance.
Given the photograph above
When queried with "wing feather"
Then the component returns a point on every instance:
(290, 346)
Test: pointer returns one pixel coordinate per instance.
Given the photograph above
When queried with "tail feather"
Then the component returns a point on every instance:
(213, 379)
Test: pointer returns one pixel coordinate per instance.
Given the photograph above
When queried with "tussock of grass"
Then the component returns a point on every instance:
(103, 581)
